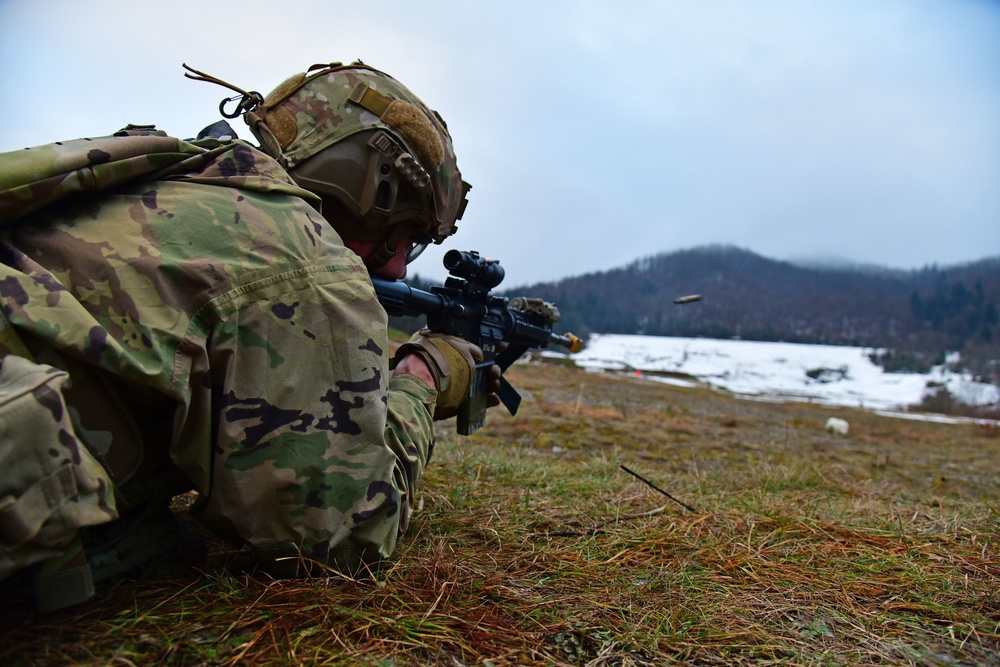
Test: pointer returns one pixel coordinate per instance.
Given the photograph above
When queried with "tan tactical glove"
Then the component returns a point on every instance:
(452, 362)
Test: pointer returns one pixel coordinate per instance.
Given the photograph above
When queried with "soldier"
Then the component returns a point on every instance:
(198, 315)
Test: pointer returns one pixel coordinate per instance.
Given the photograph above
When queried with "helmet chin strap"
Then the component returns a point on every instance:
(384, 254)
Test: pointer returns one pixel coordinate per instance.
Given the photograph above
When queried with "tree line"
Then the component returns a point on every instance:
(912, 317)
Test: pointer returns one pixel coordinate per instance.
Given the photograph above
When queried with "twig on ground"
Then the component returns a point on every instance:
(654, 486)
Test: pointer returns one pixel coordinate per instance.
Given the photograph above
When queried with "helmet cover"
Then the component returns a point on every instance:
(357, 134)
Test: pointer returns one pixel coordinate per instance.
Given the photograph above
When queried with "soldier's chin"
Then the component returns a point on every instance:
(394, 269)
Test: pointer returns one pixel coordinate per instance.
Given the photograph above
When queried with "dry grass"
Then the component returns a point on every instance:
(534, 548)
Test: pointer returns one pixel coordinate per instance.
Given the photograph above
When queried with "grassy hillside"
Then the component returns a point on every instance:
(534, 547)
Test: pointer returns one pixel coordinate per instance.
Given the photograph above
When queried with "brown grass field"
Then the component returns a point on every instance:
(534, 547)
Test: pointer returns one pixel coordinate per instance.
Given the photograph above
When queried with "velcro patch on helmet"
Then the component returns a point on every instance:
(284, 89)
(413, 125)
(282, 125)
(279, 120)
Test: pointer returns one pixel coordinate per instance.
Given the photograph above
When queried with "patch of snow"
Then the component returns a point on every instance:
(826, 374)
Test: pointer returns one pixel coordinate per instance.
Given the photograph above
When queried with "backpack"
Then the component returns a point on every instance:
(51, 486)
(59, 509)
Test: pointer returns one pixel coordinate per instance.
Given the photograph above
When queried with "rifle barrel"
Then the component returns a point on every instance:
(569, 341)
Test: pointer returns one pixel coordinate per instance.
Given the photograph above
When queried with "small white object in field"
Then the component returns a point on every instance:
(837, 426)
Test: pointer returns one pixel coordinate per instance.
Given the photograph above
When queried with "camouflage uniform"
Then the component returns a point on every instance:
(205, 309)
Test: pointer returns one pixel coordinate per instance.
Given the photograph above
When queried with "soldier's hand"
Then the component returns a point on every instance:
(412, 364)
(452, 362)
(493, 380)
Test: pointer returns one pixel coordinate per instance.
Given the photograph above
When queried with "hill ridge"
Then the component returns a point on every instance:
(918, 314)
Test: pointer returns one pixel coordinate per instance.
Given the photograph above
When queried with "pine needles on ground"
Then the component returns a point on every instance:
(534, 547)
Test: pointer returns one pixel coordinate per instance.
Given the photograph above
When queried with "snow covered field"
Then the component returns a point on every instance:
(826, 374)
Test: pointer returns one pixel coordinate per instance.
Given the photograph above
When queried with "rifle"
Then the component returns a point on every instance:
(504, 329)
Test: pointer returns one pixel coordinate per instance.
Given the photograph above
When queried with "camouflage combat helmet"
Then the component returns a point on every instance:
(365, 143)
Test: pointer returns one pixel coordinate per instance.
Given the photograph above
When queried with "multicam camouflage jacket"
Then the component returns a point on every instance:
(205, 309)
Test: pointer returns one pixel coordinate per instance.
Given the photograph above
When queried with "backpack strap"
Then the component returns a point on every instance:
(64, 581)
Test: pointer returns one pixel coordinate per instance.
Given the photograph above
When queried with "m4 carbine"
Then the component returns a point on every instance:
(503, 328)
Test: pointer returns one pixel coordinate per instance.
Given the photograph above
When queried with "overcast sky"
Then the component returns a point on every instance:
(594, 133)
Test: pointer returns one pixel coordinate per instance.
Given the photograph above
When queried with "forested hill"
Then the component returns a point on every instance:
(744, 295)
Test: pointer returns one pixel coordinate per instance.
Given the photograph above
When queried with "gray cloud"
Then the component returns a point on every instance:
(595, 133)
